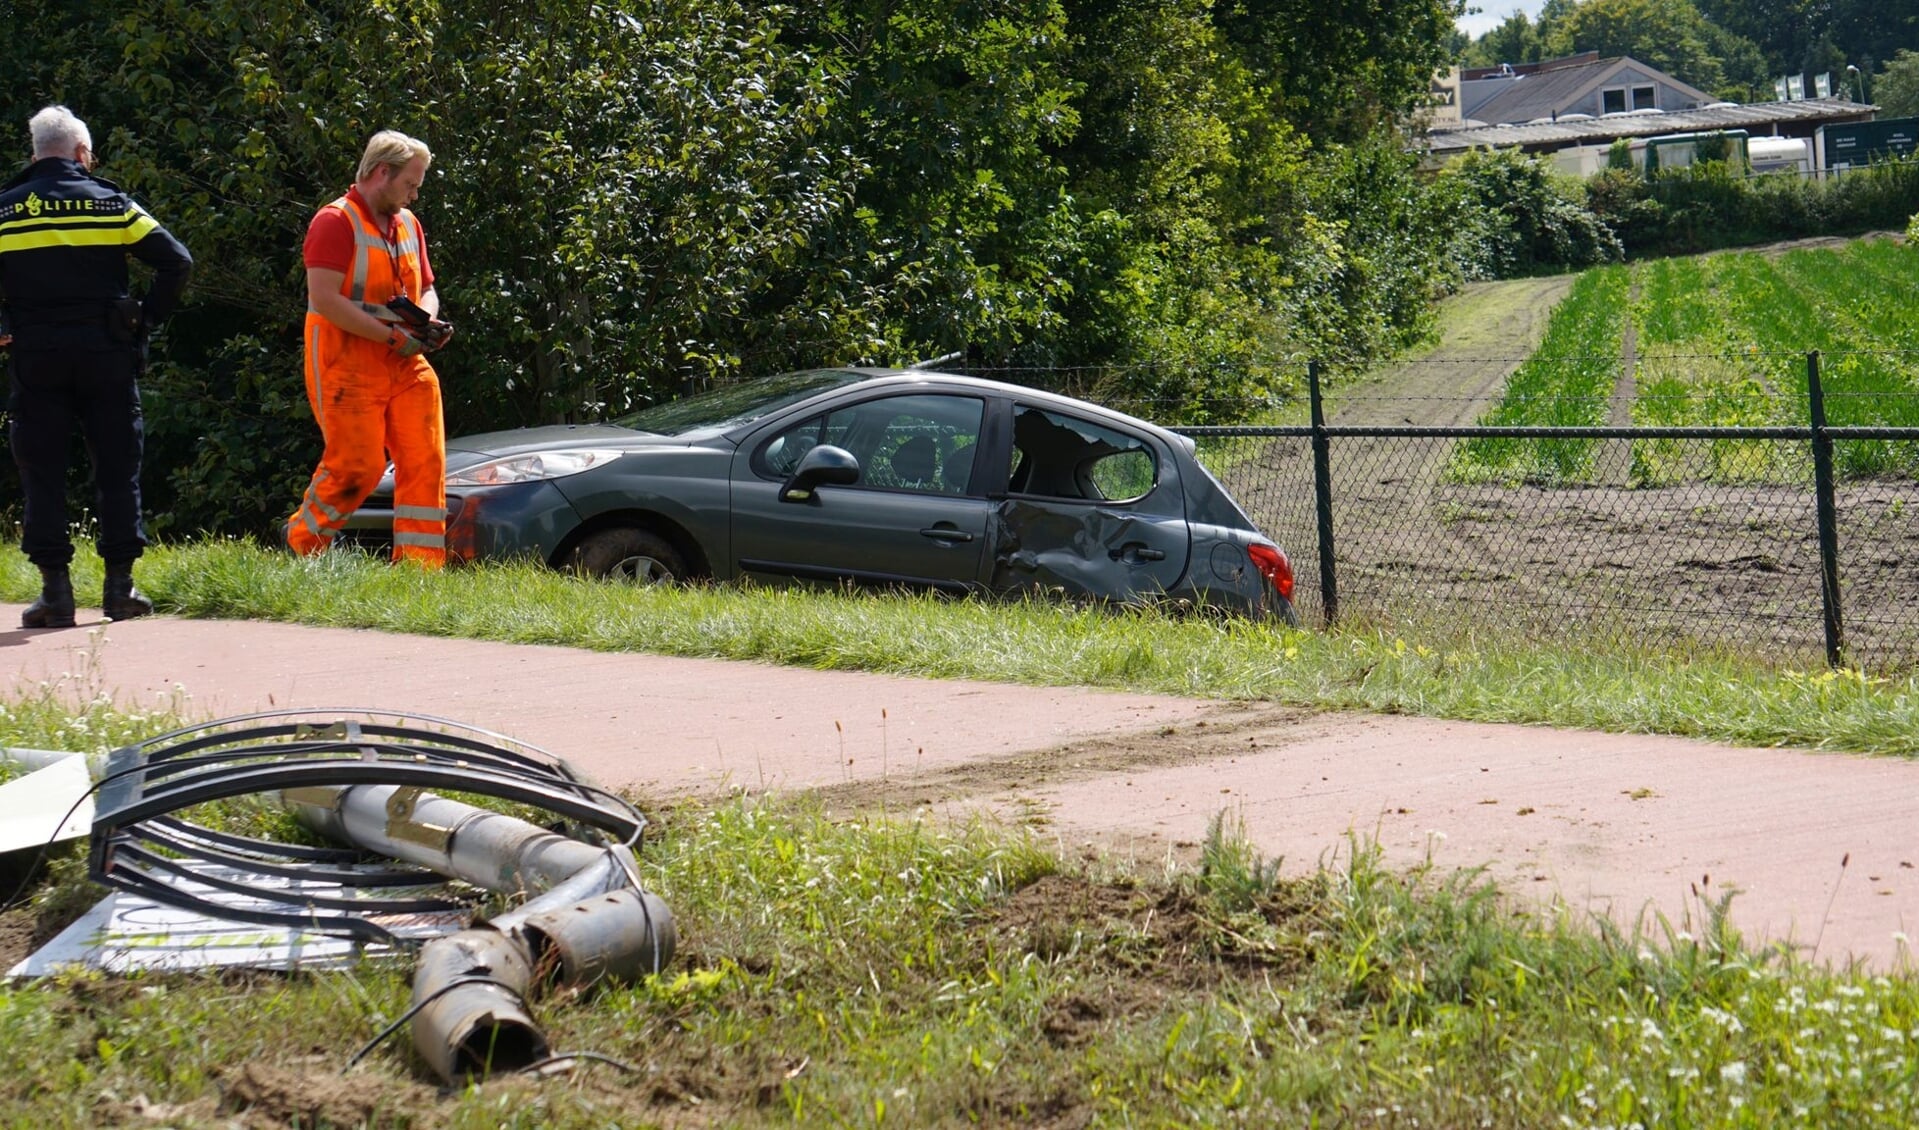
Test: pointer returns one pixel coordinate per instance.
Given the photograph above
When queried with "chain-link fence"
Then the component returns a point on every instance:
(1795, 540)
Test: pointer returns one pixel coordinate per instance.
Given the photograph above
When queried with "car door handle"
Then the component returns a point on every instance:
(1135, 552)
(946, 533)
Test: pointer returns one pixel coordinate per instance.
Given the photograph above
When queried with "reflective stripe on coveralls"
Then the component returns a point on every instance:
(371, 403)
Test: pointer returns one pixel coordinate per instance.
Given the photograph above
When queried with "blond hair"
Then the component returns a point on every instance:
(393, 149)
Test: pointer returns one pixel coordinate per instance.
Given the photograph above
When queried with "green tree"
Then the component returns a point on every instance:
(1780, 30)
(1867, 32)
(1528, 219)
(1339, 71)
(632, 200)
(962, 223)
(610, 189)
(1895, 90)
(1668, 34)
(1515, 40)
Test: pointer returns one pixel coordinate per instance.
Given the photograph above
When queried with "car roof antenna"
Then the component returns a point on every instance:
(934, 362)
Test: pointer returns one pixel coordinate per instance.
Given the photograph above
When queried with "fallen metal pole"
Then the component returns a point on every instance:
(361, 782)
(591, 919)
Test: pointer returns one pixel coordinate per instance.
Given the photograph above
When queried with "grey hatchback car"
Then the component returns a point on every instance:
(885, 477)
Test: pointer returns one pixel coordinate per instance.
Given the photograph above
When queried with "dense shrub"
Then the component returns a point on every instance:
(1712, 205)
(1527, 219)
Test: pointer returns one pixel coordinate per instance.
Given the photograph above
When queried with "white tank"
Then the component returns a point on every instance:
(1779, 154)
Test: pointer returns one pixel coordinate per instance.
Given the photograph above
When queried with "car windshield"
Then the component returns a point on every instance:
(728, 405)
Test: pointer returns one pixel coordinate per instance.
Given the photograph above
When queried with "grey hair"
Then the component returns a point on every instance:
(56, 132)
(394, 149)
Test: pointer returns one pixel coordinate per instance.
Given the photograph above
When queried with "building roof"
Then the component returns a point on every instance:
(1545, 92)
(1594, 131)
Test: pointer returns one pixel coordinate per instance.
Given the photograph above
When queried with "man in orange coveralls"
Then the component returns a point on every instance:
(368, 380)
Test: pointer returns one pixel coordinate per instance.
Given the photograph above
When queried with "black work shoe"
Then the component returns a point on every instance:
(119, 600)
(54, 609)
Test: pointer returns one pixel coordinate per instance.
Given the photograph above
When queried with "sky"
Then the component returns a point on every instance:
(1493, 13)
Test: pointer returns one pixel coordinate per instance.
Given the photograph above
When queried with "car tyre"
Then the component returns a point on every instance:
(626, 554)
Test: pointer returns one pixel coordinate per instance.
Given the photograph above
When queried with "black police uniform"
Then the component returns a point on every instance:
(79, 346)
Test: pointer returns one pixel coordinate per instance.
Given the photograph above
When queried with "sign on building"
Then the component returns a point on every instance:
(1861, 143)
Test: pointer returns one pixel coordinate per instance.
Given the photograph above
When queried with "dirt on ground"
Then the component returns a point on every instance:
(17, 936)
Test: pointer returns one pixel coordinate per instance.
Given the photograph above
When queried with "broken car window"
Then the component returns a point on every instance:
(1061, 456)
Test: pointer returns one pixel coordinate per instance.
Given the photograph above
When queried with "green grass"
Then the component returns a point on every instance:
(1722, 341)
(1565, 383)
(855, 970)
(1748, 320)
(873, 968)
(76, 710)
(1438, 672)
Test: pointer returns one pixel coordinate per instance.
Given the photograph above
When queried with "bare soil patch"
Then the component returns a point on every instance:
(269, 1095)
(17, 937)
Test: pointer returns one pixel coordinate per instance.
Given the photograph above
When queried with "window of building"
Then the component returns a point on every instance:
(1619, 99)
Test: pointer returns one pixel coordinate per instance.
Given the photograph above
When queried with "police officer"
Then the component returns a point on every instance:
(78, 347)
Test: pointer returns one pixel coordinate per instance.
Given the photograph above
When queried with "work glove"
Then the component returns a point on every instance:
(404, 343)
(436, 334)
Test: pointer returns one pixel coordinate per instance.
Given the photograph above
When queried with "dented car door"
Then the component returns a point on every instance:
(1089, 509)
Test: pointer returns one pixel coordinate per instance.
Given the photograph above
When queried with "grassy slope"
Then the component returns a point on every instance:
(1578, 683)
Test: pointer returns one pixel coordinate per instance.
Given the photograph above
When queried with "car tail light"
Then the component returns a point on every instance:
(1272, 563)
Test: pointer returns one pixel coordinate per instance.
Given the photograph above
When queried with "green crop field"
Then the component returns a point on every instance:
(1721, 340)
(1565, 384)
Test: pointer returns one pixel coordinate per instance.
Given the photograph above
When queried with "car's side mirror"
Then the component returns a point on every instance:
(825, 465)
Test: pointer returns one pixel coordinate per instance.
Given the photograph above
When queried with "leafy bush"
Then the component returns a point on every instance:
(1528, 218)
(1712, 205)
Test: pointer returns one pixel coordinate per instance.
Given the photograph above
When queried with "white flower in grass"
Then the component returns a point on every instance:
(1733, 1074)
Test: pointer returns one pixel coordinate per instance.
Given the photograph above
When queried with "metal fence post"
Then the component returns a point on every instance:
(1822, 485)
(1323, 497)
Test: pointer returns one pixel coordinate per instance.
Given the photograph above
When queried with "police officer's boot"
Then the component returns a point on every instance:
(119, 599)
(54, 609)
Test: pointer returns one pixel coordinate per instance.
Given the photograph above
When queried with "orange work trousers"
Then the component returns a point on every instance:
(384, 406)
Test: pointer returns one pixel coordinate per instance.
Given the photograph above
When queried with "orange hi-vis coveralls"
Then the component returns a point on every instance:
(371, 402)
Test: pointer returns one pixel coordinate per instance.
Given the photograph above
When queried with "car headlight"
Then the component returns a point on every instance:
(531, 467)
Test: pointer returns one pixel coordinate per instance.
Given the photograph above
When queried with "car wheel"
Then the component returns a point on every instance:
(626, 554)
